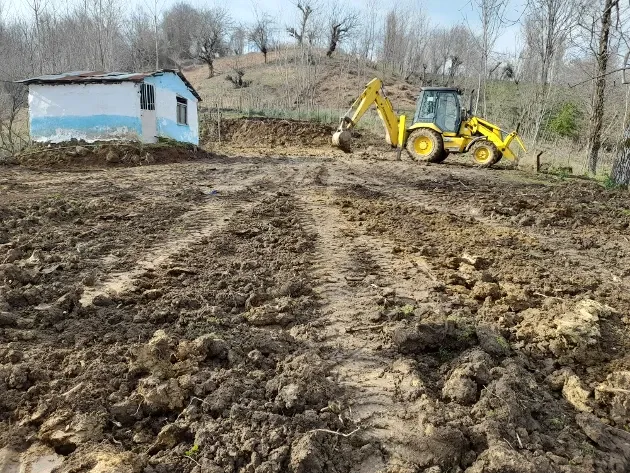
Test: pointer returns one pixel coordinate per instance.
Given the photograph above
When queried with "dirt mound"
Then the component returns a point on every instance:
(268, 132)
(254, 134)
(107, 154)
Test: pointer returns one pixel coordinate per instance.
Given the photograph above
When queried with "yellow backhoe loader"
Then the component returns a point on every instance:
(441, 125)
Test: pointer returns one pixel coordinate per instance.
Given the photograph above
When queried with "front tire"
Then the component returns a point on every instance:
(485, 153)
(426, 145)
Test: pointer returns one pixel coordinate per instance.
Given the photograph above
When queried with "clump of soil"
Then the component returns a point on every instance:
(107, 154)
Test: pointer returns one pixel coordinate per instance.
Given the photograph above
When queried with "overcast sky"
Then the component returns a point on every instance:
(439, 12)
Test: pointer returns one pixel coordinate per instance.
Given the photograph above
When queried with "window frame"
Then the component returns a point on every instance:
(147, 96)
(181, 103)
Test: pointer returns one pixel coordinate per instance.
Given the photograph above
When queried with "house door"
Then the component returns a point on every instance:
(147, 113)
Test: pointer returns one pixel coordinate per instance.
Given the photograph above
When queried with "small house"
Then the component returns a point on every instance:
(97, 106)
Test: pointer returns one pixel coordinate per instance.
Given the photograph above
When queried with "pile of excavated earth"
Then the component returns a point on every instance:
(310, 315)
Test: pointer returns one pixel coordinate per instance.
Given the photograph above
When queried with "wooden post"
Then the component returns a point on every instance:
(538, 161)
(219, 122)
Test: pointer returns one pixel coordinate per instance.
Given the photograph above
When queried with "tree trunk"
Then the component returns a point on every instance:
(620, 174)
(597, 115)
(210, 69)
(265, 56)
(331, 48)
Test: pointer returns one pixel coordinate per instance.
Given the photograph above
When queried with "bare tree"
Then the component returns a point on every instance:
(491, 15)
(306, 9)
(261, 33)
(12, 101)
(602, 56)
(210, 37)
(238, 38)
(155, 7)
(341, 24)
(138, 34)
(547, 26)
(177, 24)
(38, 7)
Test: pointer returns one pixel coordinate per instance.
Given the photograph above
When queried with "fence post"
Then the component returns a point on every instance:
(219, 122)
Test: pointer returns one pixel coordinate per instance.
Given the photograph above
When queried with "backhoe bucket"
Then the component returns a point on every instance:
(342, 139)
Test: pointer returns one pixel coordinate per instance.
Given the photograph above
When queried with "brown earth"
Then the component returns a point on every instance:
(316, 314)
(262, 136)
(106, 154)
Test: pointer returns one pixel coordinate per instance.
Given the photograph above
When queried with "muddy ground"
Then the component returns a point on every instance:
(346, 314)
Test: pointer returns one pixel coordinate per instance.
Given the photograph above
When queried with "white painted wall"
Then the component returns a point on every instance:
(84, 99)
(90, 112)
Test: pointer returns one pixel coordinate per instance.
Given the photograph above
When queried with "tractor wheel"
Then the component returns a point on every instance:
(485, 153)
(425, 144)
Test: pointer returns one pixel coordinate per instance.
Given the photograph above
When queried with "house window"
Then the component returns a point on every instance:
(147, 97)
(182, 111)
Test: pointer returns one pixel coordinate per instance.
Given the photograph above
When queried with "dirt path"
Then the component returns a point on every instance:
(189, 229)
(353, 270)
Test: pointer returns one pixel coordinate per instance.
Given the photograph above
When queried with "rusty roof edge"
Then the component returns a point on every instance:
(97, 77)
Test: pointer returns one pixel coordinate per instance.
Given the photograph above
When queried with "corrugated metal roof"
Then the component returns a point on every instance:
(95, 77)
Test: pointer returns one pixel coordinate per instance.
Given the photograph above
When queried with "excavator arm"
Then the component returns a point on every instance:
(372, 95)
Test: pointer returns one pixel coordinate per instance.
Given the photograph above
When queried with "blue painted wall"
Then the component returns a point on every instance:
(174, 130)
(100, 127)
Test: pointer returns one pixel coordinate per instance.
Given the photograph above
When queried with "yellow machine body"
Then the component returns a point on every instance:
(432, 138)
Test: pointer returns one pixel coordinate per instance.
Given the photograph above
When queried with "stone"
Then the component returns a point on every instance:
(161, 396)
(460, 388)
(126, 411)
(169, 436)
(614, 393)
(483, 290)
(289, 395)
(8, 319)
(418, 339)
(13, 255)
(112, 157)
(491, 341)
(306, 455)
(575, 394)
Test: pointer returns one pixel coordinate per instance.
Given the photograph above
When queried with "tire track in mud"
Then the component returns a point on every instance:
(203, 221)
(352, 268)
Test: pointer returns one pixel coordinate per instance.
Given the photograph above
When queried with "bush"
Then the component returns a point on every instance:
(564, 121)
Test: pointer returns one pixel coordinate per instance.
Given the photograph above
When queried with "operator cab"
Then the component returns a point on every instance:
(440, 106)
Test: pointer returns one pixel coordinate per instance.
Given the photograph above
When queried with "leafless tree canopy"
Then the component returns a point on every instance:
(211, 35)
(260, 33)
(342, 23)
(306, 9)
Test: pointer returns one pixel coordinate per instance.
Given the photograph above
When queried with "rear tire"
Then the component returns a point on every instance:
(426, 145)
(485, 153)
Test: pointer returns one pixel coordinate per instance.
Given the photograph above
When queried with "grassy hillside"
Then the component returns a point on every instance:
(293, 86)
